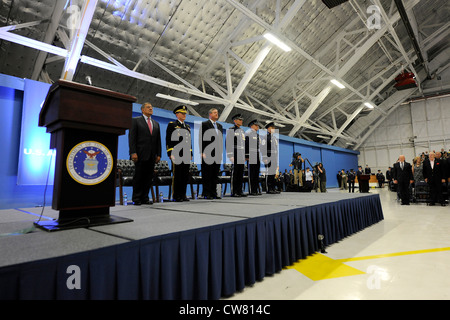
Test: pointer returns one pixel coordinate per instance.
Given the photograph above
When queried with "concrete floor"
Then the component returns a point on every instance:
(406, 256)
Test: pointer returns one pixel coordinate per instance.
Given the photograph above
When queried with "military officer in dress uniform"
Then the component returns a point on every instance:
(252, 155)
(236, 154)
(179, 150)
(270, 157)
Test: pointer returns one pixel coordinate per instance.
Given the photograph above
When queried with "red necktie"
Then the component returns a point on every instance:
(150, 125)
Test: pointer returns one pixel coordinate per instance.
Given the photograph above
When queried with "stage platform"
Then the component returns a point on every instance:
(201, 249)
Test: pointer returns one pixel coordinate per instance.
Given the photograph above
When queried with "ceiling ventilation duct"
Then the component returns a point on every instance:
(333, 3)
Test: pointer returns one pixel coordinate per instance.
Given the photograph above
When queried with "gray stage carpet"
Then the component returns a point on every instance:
(20, 242)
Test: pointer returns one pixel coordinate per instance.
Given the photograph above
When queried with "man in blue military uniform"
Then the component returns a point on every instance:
(252, 155)
(236, 154)
(270, 158)
(179, 150)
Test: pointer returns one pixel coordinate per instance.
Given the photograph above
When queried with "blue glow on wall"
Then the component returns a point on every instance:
(35, 156)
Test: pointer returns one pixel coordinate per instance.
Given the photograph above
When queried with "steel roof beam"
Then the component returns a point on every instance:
(79, 37)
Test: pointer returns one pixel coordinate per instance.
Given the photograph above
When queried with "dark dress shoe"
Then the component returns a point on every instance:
(147, 202)
(185, 199)
(242, 195)
(137, 203)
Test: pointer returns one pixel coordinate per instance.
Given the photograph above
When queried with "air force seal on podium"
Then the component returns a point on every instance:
(89, 163)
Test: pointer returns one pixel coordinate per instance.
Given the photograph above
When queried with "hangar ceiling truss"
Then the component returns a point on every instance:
(242, 74)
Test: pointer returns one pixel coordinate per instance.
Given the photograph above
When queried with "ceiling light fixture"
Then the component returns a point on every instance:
(184, 101)
(369, 105)
(337, 84)
(277, 42)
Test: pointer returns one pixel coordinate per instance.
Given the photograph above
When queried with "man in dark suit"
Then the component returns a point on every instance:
(211, 142)
(144, 141)
(236, 154)
(179, 150)
(434, 174)
(351, 181)
(403, 177)
(252, 155)
(358, 174)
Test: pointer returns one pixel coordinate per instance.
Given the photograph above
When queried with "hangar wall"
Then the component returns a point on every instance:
(413, 128)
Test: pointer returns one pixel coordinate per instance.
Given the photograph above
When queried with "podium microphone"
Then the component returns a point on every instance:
(89, 80)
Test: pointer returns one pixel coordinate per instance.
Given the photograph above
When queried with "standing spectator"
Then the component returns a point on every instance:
(367, 170)
(344, 179)
(286, 179)
(316, 178)
(297, 164)
(435, 177)
(309, 179)
(403, 177)
(322, 177)
(380, 178)
(339, 179)
(358, 173)
(351, 181)
(418, 169)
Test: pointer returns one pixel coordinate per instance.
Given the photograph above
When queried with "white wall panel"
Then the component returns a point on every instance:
(410, 130)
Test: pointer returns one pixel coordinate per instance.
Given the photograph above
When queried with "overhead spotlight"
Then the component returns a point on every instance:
(369, 105)
(184, 101)
(269, 36)
(337, 84)
(323, 137)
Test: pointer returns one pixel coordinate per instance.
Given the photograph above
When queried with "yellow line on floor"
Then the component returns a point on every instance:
(395, 254)
(320, 267)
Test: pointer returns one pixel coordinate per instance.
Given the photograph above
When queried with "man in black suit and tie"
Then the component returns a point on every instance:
(433, 172)
(211, 142)
(144, 141)
(358, 174)
(403, 177)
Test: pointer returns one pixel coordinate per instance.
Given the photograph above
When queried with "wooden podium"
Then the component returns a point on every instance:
(363, 181)
(85, 123)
